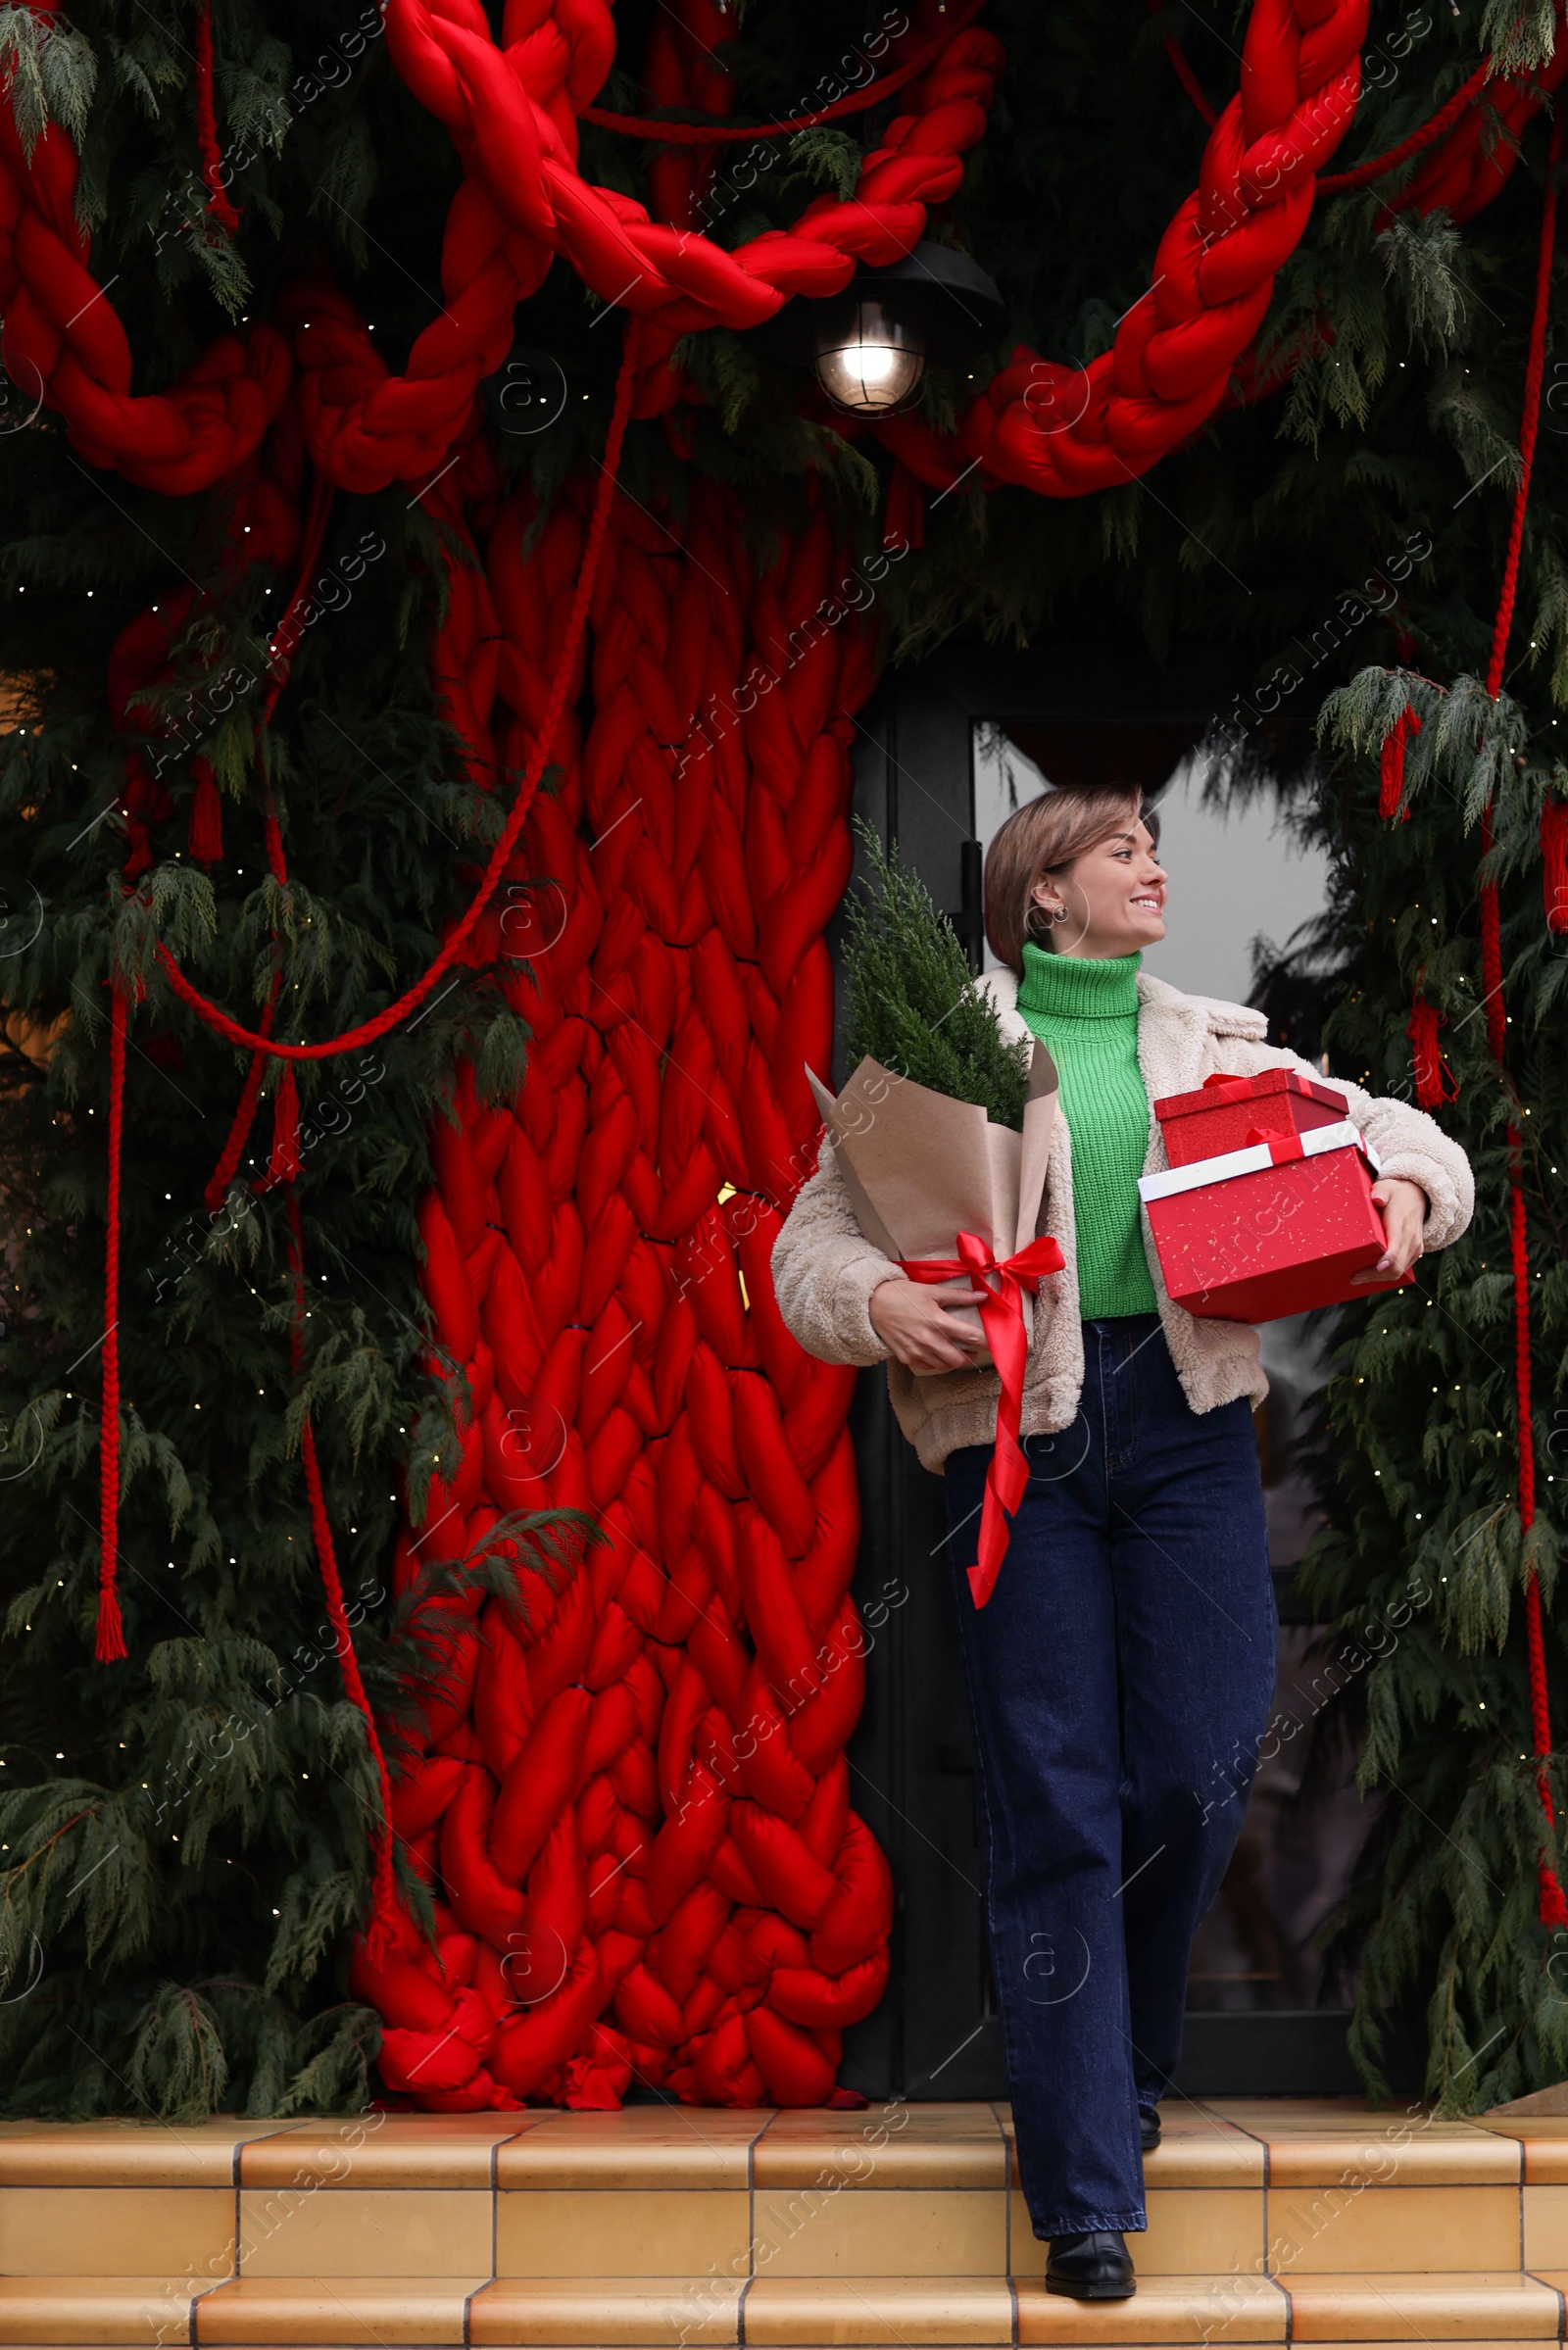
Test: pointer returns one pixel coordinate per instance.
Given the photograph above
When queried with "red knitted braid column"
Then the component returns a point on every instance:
(633, 1799)
(1553, 1908)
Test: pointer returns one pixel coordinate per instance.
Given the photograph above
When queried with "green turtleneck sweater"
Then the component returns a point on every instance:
(1086, 1009)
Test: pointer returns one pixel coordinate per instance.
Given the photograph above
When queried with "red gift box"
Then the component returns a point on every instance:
(1270, 1229)
(1226, 1112)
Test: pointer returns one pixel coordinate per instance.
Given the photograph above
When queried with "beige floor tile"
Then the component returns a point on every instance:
(365, 2231)
(955, 2116)
(644, 2146)
(152, 2313)
(908, 2232)
(1315, 2231)
(604, 2232)
(1218, 2310)
(1203, 2150)
(804, 2310)
(1205, 2233)
(307, 2311)
(1402, 2154)
(118, 2231)
(1395, 2307)
(1302, 2113)
(1543, 2142)
(126, 2153)
(886, 2146)
(1545, 2227)
(1195, 2157)
(399, 2150)
(606, 2311)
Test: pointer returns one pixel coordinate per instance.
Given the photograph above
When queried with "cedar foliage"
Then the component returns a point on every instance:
(182, 1842)
(912, 1003)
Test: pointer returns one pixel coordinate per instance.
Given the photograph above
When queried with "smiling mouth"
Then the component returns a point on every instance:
(1156, 905)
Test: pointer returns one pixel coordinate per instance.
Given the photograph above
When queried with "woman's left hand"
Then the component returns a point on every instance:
(1404, 1212)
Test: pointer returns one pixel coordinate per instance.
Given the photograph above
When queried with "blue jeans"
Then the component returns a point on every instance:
(1120, 1678)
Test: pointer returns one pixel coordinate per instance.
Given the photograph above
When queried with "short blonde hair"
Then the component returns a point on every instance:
(1043, 837)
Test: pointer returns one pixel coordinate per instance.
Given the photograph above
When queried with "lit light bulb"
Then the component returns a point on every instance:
(871, 364)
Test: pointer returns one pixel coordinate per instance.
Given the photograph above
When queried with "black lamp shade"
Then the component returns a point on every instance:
(944, 300)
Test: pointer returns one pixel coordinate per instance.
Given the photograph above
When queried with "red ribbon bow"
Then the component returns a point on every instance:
(1281, 1147)
(1001, 1318)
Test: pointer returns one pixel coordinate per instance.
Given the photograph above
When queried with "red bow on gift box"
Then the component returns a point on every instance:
(1281, 1147)
(1001, 1318)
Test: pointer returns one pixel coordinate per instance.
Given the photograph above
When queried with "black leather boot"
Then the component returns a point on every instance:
(1149, 2127)
(1091, 2268)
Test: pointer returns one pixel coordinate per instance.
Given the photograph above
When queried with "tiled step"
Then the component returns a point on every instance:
(686, 2227)
(878, 2313)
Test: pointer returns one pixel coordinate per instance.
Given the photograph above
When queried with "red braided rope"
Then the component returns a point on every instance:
(719, 131)
(369, 1031)
(1334, 182)
(217, 203)
(1553, 1908)
(110, 1644)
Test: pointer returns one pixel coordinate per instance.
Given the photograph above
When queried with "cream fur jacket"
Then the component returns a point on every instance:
(824, 1269)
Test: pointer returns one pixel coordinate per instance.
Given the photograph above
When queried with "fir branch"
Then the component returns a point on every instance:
(913, 1005)
(53, 74)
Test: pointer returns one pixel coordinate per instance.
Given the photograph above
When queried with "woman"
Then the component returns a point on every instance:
(1121, 1673)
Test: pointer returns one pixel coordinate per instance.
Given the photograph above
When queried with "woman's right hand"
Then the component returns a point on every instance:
(914, 1322)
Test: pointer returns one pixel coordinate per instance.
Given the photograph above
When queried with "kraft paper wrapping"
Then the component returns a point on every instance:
(920, 1167)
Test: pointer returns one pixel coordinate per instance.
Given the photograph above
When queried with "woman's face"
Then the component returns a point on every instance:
(1110, 900)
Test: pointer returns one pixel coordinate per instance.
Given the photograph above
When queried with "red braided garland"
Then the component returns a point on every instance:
(1553, 1908)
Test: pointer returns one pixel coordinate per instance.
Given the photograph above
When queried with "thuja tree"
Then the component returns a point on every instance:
(186, 1841)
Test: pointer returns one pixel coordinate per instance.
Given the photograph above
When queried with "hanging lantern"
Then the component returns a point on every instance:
(872, 361)
(869, 346)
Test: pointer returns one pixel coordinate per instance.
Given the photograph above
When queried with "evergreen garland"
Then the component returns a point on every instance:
(183, 1838)
(912, 1003)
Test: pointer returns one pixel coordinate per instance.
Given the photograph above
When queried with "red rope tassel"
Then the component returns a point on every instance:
(1435, 1081)
(1554, 862)
(206, 839)
(1391, 766)
(110, 1644)
(284, 1164)
(217, 203)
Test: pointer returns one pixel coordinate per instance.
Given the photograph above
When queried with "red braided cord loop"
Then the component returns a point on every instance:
(512, 113)
(217, 203)
(1553, 1908)
(110, 1644)
(456, 940)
